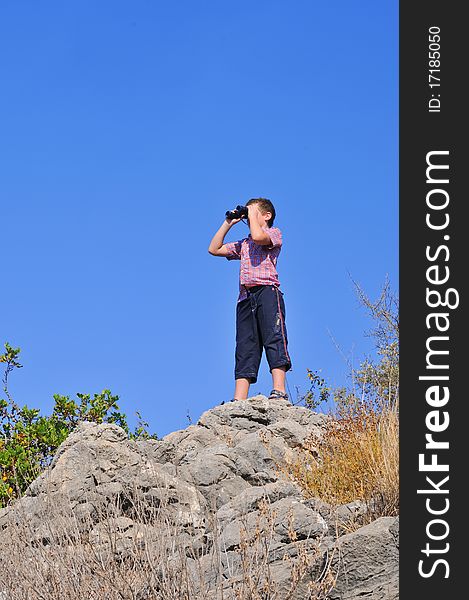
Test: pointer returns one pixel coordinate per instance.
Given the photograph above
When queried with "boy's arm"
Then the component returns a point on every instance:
(258, 235)
(217, 247)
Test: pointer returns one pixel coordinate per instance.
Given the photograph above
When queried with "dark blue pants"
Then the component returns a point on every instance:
(260, 323)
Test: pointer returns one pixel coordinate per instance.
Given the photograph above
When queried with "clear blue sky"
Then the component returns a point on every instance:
(129, 128)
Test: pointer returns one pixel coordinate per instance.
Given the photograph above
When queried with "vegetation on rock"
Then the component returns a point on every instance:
(357, 457)
(28, 440)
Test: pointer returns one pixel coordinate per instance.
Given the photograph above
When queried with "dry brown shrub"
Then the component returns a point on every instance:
(110, 555)
(356, 458)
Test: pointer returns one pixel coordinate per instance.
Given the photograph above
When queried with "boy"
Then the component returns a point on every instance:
(260, 310)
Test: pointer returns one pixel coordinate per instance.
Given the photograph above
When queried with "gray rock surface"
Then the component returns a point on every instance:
(367, 562)
(219, 477)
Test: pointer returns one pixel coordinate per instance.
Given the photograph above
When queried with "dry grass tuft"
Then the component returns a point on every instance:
(356, 458)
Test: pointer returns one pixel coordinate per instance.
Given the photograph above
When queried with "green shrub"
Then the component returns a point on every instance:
(28, 441)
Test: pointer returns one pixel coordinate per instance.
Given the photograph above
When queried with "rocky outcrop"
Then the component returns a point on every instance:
(221, 477)
(367, 562)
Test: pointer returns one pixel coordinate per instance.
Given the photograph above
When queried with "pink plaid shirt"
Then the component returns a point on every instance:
(258, 263)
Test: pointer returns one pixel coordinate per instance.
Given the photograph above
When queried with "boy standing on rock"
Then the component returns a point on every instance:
(260, 310)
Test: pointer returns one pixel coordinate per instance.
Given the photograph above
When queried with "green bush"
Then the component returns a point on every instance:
(375, 382)
(28, 441)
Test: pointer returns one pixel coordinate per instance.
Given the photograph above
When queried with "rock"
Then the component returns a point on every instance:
(367, 562)
(250, 499)
(297, 518)
(219, 481)
(98, 466)
(290, 518)
(292, 432)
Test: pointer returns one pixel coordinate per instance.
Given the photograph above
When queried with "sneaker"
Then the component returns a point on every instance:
(277, 395)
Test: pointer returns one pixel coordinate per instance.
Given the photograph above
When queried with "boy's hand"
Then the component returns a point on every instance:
(253, 211)
(231, 222)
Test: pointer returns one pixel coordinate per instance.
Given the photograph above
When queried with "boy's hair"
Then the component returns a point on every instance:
(265, 205)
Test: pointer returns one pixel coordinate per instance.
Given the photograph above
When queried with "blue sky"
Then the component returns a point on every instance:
(129, 128)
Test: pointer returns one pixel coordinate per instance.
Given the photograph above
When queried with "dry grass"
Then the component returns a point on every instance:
(356, 458)
(125, 552)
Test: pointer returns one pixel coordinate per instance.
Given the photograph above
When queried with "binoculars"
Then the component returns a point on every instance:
(240, 212)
